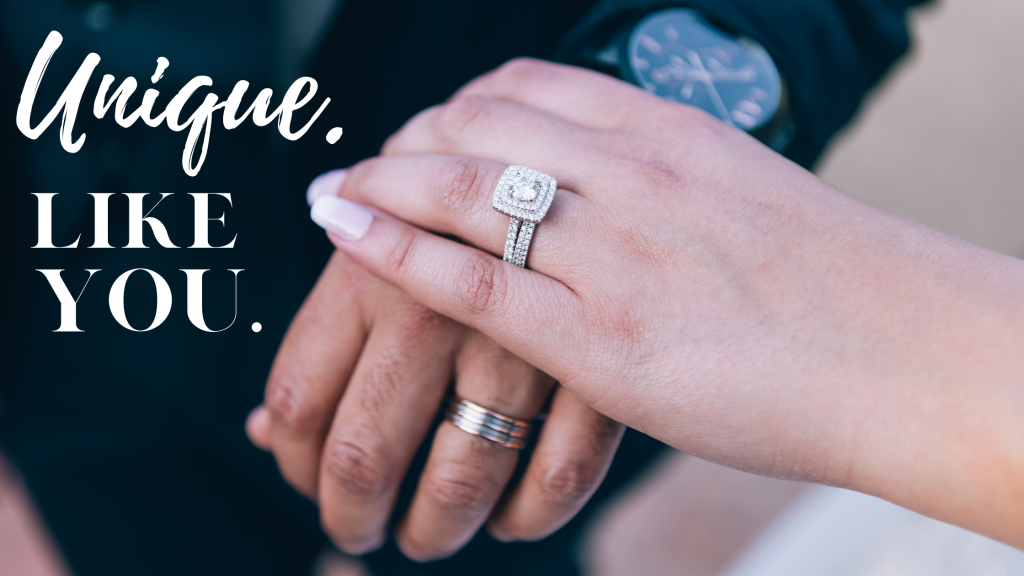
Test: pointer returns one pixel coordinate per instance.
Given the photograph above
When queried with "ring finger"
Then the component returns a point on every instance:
(466, 473)
(574, 451)
(453, 194)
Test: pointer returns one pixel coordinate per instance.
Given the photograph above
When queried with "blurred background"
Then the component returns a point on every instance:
(942, 142)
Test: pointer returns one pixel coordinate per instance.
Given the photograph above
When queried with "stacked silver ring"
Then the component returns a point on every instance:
(524, 194)
(480, 421)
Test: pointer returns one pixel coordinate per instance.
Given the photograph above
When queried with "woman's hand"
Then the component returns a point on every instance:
(355, 388)
(692, 284)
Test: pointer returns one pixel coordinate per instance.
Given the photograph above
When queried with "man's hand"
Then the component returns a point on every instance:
(355, 387)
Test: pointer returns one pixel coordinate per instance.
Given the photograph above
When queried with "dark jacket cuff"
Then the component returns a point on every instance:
(830, 53)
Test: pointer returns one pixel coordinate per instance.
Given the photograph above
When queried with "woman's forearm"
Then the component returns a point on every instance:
(694, 285)
(934, 415)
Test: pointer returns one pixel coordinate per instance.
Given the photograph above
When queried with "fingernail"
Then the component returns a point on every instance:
(498, 534)
(342, 217)
(324, 184)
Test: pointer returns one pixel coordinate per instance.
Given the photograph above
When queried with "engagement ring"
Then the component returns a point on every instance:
(524, 194)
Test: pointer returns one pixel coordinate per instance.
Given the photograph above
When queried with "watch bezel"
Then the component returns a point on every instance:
(768, 128)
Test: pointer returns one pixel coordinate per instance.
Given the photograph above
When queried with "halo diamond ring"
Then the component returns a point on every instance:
(525, 195)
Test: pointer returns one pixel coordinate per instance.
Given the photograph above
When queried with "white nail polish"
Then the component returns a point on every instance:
(342, 217)
(324, 184)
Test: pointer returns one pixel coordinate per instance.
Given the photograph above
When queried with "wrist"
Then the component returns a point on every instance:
(933, 329)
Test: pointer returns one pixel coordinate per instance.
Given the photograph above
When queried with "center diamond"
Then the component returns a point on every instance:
(525, 190)
(524, 193)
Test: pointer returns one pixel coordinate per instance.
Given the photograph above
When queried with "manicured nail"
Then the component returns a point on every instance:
(342, 217)
(324, 184)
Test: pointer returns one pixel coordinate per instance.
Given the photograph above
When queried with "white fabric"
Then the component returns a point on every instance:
(833, 532)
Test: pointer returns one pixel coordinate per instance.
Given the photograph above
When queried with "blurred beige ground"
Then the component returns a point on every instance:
(942, 143)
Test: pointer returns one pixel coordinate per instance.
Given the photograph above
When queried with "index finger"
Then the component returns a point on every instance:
(310, 372)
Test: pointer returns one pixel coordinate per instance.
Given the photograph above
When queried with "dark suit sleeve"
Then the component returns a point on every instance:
(830, 52)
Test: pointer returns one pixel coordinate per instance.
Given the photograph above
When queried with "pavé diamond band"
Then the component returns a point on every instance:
(480, 421)
(524, 194)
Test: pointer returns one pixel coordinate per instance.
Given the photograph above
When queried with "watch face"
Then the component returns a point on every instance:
(677, 55)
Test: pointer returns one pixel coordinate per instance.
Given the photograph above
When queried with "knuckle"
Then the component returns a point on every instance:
(568, 484)
(358, 469)
(397, 258)
(290, 403)
(654, 173)
(382, 382)
(461, 184)
(518, 69)
(481, 284)
(455, 493)
(460, 113)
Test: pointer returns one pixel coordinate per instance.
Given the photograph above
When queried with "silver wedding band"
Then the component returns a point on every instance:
(524, 194)
(479, 421)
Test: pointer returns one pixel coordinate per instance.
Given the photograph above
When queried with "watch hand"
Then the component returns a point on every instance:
(705, 78)
(682, 72)
(742, 75)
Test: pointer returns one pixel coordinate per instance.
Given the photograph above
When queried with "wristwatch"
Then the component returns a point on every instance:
(679, 55)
